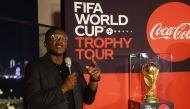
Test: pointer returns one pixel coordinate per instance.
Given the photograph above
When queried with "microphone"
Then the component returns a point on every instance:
(68, 63)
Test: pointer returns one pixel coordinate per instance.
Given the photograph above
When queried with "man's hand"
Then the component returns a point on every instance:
(69, 83)
(94, 70)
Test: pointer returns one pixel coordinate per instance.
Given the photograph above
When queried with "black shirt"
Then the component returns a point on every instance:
(64, 72)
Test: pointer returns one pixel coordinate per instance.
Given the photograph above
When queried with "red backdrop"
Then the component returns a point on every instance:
(110, 30)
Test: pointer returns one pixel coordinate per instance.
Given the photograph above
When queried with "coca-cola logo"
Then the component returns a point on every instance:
(172, 33)
(163, 106)
(168, 30)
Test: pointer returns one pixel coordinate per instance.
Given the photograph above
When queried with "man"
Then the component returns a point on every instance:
(48, 82)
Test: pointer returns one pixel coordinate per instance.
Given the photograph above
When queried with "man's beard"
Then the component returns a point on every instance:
(54, 53)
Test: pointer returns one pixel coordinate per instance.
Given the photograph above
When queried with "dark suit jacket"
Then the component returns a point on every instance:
(42, 87)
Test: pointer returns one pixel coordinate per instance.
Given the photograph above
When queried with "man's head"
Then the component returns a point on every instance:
(56, 41)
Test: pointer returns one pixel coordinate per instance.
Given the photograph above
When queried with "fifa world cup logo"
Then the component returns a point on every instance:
(150, 73)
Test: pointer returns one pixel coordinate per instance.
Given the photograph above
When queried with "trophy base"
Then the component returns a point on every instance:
(150, 99)
(143, 105)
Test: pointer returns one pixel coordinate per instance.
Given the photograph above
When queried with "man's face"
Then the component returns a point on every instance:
(56, 43)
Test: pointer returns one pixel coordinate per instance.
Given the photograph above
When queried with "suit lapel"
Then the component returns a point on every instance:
(53, 70)
(77, 95)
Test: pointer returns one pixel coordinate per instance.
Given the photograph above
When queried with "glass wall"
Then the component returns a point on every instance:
(22, 28)
(20, 43)
(19, 46)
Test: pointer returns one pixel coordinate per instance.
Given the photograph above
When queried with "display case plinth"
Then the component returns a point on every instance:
(142, 105)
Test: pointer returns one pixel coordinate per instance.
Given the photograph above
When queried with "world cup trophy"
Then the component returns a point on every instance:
(150, 73)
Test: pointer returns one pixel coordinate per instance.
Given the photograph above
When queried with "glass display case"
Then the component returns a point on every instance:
(147, 74)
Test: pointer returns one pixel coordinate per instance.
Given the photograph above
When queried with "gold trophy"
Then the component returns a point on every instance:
(150, 72)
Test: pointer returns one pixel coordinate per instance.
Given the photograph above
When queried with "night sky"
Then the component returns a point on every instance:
(18, 31)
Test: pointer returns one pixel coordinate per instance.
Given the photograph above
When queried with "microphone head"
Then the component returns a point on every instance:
(68, 61)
